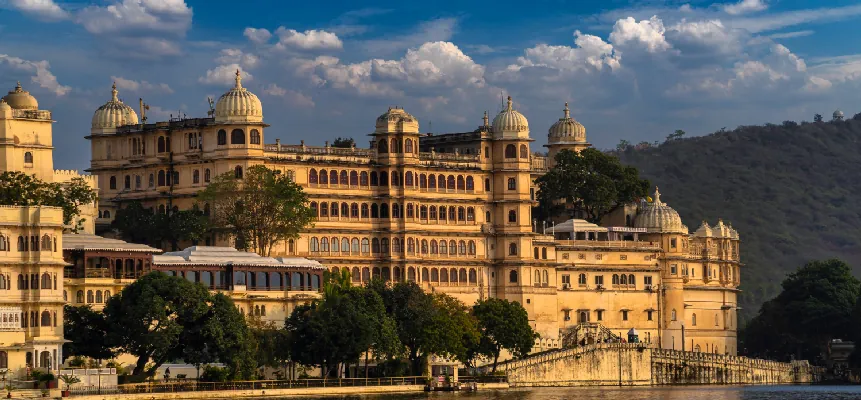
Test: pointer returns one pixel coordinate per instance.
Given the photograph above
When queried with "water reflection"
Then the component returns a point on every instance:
(645, 393)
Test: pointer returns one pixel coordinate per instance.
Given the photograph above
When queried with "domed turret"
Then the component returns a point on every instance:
(510, 124)
(19, 99)
(838, 115)
(396, 120)
(114, 113)
(238, 105)
(657, 217)
(566, 130)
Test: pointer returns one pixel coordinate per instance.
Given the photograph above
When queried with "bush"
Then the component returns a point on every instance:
(77, 362)
(212, 373)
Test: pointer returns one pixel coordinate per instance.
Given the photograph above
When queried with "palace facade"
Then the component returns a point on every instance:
(451, 212)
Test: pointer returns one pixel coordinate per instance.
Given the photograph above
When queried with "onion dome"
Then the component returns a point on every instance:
(566, 130)
(19, 99)
(657, 217)
(396, 120)
(704, 230)
(510, 124)
(238, 105)
(114, 113)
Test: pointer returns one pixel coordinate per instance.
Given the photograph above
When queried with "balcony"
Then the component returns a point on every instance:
(616, 244)
(32, 114)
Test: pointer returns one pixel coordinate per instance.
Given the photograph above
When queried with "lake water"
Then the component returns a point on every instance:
(663, 393)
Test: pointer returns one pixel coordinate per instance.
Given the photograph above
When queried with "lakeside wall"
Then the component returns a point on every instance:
(635, 364)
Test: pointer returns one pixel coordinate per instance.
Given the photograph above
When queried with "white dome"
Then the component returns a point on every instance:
(838, 114)
(19, 99)
(396, 120)
(566, 130)
(657, 217)
(114, 113)
(238, 105)
(510, 124)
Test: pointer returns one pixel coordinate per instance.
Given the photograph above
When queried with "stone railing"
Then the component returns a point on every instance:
(317, 150)
(32, 114)
(621, 244)
(539, 164)
(434, 156)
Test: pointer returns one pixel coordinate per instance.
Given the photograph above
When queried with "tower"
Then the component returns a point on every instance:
(565, 134)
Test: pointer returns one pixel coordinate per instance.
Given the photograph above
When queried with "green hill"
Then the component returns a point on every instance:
(790, 190)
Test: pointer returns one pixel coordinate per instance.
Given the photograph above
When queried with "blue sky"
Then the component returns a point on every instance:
(630, 70)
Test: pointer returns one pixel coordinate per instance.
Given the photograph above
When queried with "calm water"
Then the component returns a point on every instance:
(612, 393)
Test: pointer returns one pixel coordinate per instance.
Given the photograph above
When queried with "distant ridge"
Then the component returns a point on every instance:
(793, 192)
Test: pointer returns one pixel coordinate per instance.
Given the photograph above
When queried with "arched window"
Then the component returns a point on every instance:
(461, 214)
(161, 178)
(581, 279)
(237, 172)
(395, 179)
(90, 298)
(354, 210)
(384, 245)
(512, 216)
(255, 136)
(510, 151)
(206, 175)
(176, 177)
(537, 280)
(28, 158)
(383, 146)
(544, 253)
(408, 146)
(354, 246)
(107, 296)
(512, 249)
(673, 315)
(315, 245)
(408, 178)
(694, 319)
(450, 181)
(441, 182)
(366, 247)
(237, 136)
(461, 183)
(443, 247)
(334, 209)
(160, 145)
(524, 151)
(79, 297)
(384, 178)
(312, 176)
(394, 146)
(623, 280)
(98, 296)
(46, 318)
(470, 183)
(470, 214)
(363, 178)
(461, 248)
(384, 210)
(354, 178)
(345, 210)
(375, 245)
(451, 214)
(195, 177)
(345, 245)
(512, 276)
(46, 281)
(452, 247)
(615, 279)
(344, 177)
(432, 212)
(113, 183)
(631, 279)
(374, 179)
(512, 184)
(127, 182)
(222, 137)
(535, 253)
(487, 185)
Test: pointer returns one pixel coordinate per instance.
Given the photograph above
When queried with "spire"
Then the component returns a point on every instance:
(18, 87)
(114, 92)
(567, 111)
(657, 198)
(486, 123)
(238, 80)
(509, 104)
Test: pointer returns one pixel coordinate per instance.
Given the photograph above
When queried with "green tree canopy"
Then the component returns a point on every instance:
(148, 317)
(258, 210)
(20, 189)
(591, 182)
(344, 143)
(503, 325)
(86, 331)
(814, 307)
(137, 224)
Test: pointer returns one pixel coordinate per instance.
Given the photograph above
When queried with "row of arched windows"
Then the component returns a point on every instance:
(46, 319)
(398, 146)
(5, 243)
(354, 246)
(354, 210)
(395, 178)
(163, 144)
(164, 179)
(542, 278)
(35, 282)
(511, 151)
(237, 136)
(137, 146)
(432, 275)
(624, 279)
(536, 251)
(47, 243)
(97, 297)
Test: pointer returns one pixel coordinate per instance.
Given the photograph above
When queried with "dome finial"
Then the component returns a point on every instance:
(114, 92)
(18, 87)
(486, 119)
(657, 197)
(238, 79)
(509, 108)
(567, 111)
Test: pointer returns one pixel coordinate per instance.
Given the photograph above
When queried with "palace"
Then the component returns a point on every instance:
(451, 212)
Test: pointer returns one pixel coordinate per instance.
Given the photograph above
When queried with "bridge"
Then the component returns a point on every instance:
(639, 364)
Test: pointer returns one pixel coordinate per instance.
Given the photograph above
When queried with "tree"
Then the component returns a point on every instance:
(87, 332)
(590, 182)
(220, 335)
(677, 134)
(345, 143)
(623, 145)
(137, 224)
(503, 325)
(817, 118)
(20, 189)
(148, 317)
(258, 210)
(815, 306)
(182, 226)
(272, 343)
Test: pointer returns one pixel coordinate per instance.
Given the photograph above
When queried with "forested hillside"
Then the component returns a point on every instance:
(792, 191)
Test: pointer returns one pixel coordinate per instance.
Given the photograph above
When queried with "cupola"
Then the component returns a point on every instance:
(657, 217)
(510, 124)
(114, 113)
(566, 130)
(238, 105)
(19, 99)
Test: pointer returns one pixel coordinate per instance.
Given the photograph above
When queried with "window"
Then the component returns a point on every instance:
(206, 175)
(512, 277)
(581, 279)
(255, 138)
(487, 184)
(694, 319)
(524, 151)
(383, 146)
(673, 243)
(363, 179)
(127, 182)
(461, 183)
(408, 146)
(510, 151)
(599, 279)
(566, 279)
(354, 178)
(113, 183)
(195, 177)
(673, 315)
(647, 280)
(28, 158)
(512, 184)
(600, 314)
(624, 315)
(470, 183)
(237, 172)
(151, 180)
(237, 136)
(486, 152)
(161, 177)
(649, 315)
(535, 253)
(512, 216)
(673, 269)
(161, 147)
(543, 253)
(512, 249)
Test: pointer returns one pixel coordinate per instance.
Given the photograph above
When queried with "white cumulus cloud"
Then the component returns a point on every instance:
(257, 35)
(309, 40)
(224, 75)
(42, 75)
(648, 33)
(745, 6)
(133, 85)
(41, 9)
